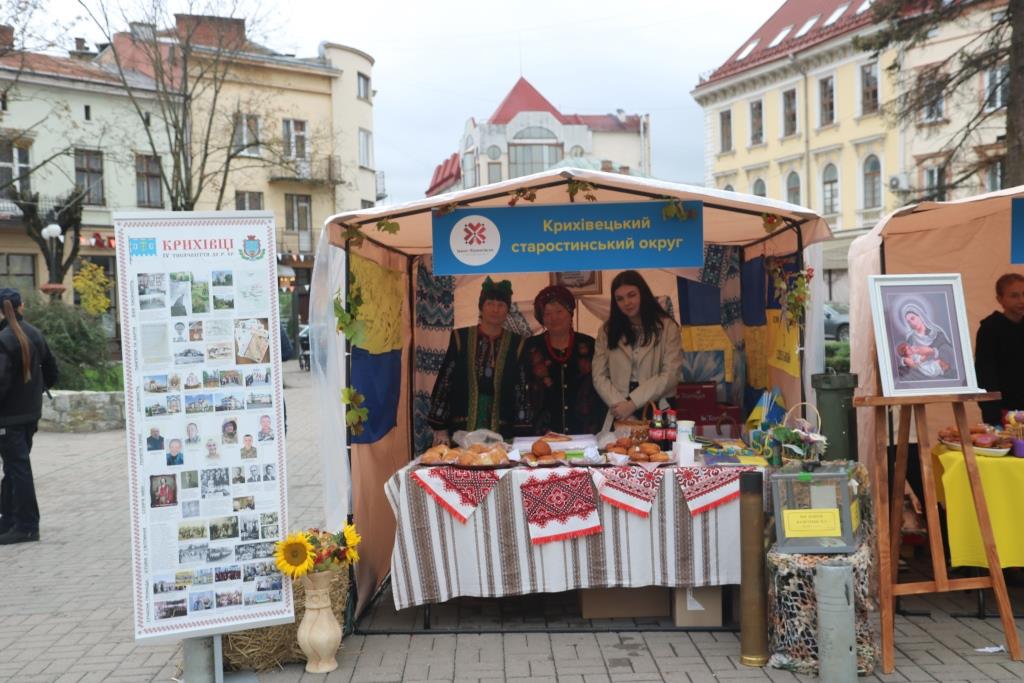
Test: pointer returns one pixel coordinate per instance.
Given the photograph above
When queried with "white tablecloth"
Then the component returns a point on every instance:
(436, 558)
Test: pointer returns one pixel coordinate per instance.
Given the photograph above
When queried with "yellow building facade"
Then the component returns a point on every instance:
(796, 114)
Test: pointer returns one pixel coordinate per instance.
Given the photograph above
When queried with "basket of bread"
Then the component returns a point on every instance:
(477, 456)
(639, 451)
(985, 439)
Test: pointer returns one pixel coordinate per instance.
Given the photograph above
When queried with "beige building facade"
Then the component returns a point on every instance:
(796, 114)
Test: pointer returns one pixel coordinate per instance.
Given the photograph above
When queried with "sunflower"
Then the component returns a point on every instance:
(294, 555)
(352, 555)
(352, 538)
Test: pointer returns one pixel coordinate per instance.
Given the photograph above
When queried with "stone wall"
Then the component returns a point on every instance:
(82, 411)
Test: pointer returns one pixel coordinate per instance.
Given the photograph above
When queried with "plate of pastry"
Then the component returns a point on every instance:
(478, 457)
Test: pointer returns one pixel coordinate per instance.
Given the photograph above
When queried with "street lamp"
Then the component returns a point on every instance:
(52, 232)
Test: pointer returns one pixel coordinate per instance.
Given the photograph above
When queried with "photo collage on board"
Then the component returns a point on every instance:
(207, 439)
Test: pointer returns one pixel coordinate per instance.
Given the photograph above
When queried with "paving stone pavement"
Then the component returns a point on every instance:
(65, 605)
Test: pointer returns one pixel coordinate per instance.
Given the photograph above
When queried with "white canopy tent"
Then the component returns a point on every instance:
(729, 218)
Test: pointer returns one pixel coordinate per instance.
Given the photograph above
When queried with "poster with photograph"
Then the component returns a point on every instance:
(207, 476)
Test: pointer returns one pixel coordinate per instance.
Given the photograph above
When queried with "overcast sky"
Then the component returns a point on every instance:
(440, 63)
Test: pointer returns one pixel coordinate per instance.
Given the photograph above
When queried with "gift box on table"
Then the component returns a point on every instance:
(694, 399)
(720, 422)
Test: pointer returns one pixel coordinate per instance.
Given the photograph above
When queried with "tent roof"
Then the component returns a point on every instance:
(730, 218)
(937, 215)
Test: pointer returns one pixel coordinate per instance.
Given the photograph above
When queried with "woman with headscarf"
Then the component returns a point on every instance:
(638, 356)
(27, 369)
(927, 352)
(558, 364)
(481, 384)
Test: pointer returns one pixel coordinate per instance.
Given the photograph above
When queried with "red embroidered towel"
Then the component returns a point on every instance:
(560, 505)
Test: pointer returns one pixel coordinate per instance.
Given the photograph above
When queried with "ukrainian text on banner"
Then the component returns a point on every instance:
(528, 239)
(203, 405)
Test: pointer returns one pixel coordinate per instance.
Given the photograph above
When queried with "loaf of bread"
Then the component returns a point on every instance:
(541, 448)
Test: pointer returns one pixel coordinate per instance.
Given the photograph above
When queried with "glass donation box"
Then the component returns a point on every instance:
(817, 509)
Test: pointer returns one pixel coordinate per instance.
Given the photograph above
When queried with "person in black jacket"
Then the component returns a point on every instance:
(27, 368)
(997, 350)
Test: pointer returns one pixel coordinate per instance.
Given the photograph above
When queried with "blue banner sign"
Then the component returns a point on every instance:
(553, 238)
(1017, 230)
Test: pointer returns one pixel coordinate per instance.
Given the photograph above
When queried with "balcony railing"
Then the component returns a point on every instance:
(317, 169)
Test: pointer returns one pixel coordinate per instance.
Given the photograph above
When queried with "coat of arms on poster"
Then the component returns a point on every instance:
(921, 335)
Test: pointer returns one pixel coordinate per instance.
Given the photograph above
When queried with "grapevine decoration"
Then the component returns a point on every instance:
(390, 227)
(576, 186)
(674, 208)
(771, 222)
(446, 209)
(356, 414)
(346, 318)
(525, 193)
(793, 290)
(353, 234)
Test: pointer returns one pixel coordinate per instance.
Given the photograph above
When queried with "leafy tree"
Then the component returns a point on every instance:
(997, 47)
(76, 338)
(92, 285)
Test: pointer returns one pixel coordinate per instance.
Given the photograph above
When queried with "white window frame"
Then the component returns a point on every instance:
(20, 169)
(796, 112)
(927, 113)
(291, 212)
(998, 166)
(838, 208)
(753, 187)
(750, 122)
(88, 171)
(835, 113)
(365, 148)
(240, 142)
(862, 187)
(860, 89)
(364, 90)
(292, 136)
(732, 141)
(991, 78)
(247, 202)
(800, 187)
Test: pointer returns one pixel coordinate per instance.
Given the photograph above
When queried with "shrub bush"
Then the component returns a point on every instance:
(76, 339)
(837, 355)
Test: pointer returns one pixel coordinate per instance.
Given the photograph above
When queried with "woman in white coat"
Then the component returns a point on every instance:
(638, 354)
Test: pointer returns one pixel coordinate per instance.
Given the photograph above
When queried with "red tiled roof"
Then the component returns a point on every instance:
(794, 14)
(523, 97)
(447, 172)
(65, 67)
(606, 123)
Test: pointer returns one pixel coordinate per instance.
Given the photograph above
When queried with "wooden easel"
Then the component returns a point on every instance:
(889, 533)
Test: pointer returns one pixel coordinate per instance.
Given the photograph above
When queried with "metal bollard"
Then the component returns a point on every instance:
(753, 592)
(837, 640)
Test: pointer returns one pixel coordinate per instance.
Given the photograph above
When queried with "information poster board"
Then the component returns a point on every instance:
(205, 428)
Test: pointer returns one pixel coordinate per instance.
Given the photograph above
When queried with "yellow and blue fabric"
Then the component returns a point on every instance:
(377, 361)
(707, 351)
(378, 377)
(1003, 480)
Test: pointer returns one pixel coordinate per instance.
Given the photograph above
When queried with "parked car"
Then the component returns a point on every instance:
(837, 322)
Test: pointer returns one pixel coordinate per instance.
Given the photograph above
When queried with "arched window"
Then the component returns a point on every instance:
(759, 189)
(469, 177)
(830, 190)
(793, 187)
(728, 188)
(576, 152)
(534, 133)
(872, 183)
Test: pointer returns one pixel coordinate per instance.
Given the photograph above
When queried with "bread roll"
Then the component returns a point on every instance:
(541, 448)
(431, 457)
(621, 450)
(547, 460)
(479, 448)
(660, 456)
(649, 448)
(452, 456)
(468, 458)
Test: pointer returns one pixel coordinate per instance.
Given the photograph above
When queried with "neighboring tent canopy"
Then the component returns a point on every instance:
(967, 236)
(730, 218)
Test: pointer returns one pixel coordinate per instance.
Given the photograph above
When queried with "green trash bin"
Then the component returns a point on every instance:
(838, 416)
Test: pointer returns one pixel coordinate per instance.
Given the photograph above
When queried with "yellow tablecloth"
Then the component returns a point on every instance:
(1003, 481)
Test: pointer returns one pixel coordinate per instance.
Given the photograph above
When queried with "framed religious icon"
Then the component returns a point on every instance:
(579, 282)
(921, 335)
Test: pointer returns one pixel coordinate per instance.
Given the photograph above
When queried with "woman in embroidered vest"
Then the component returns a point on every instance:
(558, 363)
(481, 384)
(638, 355)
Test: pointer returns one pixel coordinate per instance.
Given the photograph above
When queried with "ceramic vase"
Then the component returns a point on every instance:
(319, 633)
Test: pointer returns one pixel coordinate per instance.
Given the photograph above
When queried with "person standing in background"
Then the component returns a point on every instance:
(998, 361)
(27, 369)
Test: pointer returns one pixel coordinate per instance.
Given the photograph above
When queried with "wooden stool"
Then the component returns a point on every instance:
(889, 534)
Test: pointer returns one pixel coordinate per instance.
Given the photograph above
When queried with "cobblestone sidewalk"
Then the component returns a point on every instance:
(65, 607)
